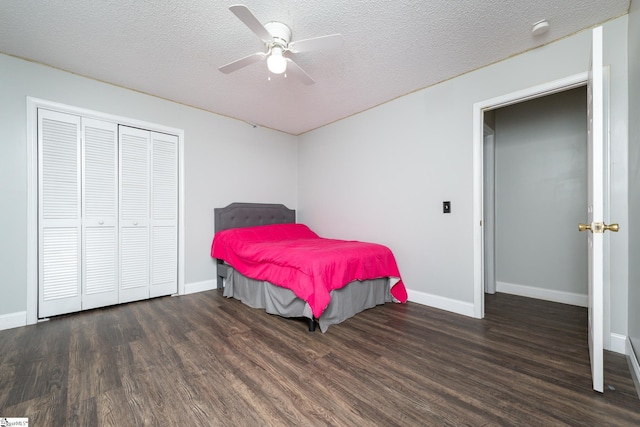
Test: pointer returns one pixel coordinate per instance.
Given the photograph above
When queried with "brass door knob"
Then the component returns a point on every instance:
(599, 227)
(583, 227)
(612, 227)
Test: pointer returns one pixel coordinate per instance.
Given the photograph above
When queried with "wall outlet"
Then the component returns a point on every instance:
(446, 207)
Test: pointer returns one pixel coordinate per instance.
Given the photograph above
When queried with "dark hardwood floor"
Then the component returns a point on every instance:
(203, 360)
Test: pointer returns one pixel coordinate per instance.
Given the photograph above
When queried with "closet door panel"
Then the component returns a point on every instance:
(134, 213)
(59, 271)
(134, 263)
(100, 267)
(164, 214)
(99, 220)
(164, 261)
(59, 218)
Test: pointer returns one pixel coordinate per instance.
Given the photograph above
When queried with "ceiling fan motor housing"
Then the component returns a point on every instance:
(281, 33)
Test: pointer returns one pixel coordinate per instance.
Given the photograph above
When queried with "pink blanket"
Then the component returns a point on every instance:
(296, 258)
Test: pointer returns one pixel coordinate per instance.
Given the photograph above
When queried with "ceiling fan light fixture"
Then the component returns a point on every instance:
(276, 63)
(276, 37)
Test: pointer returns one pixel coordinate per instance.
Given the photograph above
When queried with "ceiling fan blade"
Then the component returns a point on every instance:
(242, 62)
(294, 70)
(331, 41)
(244, 14)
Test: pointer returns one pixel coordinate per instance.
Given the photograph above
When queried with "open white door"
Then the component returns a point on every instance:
(595, 208)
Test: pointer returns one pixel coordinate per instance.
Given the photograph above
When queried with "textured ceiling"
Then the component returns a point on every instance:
(172, 49)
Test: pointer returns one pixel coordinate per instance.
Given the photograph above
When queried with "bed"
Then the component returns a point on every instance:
(268, 261)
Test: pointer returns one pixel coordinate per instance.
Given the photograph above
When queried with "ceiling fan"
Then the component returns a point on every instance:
(276, 37)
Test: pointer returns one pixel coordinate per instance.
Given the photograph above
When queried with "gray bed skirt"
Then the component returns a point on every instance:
(345, 302)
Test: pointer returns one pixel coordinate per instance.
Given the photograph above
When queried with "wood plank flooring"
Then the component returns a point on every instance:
(204, 360)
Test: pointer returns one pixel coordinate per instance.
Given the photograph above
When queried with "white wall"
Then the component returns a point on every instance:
(541, 196)
(225, 161)
(634, 176)
(615, 55)
(382, 175)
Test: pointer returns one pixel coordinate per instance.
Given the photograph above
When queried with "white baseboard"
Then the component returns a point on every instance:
(618, 343)
(544, 294)
(13, 320)
(634, 366)
(205, 285)
(448, 304)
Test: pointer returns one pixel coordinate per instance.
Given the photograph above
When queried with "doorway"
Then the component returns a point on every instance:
(479, 108)
(535, 184)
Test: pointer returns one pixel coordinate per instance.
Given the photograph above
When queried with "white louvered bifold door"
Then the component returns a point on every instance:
(164, 214)
(100, 210)
(59, 218)
(135, 147)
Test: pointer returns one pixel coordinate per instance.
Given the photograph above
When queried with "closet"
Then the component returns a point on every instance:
(107, 213)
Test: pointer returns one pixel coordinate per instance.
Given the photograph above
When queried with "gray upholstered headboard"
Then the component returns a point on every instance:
(238, 215)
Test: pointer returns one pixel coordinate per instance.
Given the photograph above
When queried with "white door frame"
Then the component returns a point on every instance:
(32, 188)
(488, 200)
(479, 108)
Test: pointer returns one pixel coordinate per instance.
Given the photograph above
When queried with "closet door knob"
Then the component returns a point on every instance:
(135, 222)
